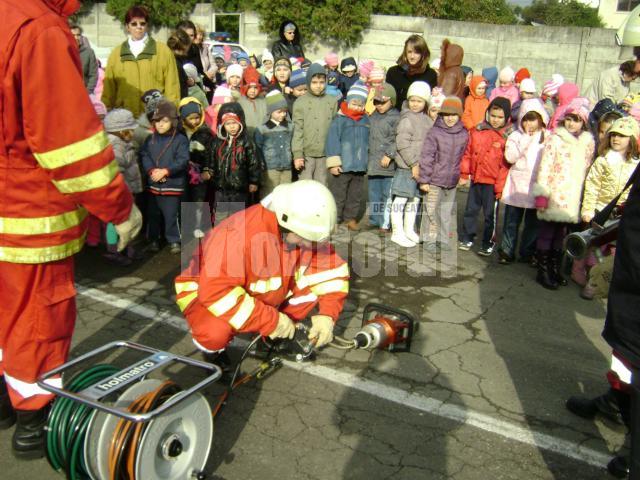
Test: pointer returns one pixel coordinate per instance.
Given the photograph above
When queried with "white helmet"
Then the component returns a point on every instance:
(305, 207)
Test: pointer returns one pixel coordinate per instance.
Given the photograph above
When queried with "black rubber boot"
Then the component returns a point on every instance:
(555, 264)
(7, 413)
(222, 360)
(605, 405)
(544, 277)
(29, 436)
(619, 467)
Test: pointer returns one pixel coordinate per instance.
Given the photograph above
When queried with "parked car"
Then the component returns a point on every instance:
(218, 47)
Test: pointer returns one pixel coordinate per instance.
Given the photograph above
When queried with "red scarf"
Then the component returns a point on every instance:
(352, 114)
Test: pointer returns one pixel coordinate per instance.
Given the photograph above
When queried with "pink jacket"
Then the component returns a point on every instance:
(511, 93)
(523, 152)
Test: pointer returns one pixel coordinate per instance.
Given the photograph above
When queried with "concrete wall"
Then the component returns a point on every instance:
(579, 54)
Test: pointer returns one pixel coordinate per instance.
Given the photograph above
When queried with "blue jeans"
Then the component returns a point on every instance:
(164, 208)
(513, 217)
(379, 200)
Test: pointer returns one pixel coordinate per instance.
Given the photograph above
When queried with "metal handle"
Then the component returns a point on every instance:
(91, 395)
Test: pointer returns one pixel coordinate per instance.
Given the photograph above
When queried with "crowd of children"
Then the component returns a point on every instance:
(552, 160)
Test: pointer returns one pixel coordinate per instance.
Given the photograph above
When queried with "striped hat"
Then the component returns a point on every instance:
(376, 75)
(551, 87)
(298, 77)
(275, 101)
(451, 105)
(358, 92)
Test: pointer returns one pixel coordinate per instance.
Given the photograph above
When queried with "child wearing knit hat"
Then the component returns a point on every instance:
(506, 87)
(221, 95)
(254, 106)
(412, 128)
(559, 186)
(382, 151)
(298, 82)
(484, 164)
(374, 82)
(331, 63)
(347, 155)
(273, 143)
(119, 125)
(439, 172)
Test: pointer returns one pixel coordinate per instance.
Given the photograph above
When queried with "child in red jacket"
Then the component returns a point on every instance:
(484, 164)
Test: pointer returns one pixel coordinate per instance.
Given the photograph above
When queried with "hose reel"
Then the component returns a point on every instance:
(109, 424)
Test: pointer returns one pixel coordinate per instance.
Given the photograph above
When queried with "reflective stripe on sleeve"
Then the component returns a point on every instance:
(303, 299)
(73, 153)
(41, 254)
(332, 286)
(243, 313)
(42, 225)
(265, 286)
(186, 287)
(315, 278)
(227, 302)
(184, 302)
(624, 374)
(90, 181)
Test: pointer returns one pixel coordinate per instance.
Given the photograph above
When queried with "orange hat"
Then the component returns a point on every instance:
(521, 75)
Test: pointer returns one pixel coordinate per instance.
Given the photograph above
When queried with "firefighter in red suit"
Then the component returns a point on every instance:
(56, 167)
(264, 268)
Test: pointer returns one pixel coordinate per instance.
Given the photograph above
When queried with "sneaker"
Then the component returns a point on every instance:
(174, 248)
(401, 240)
(197, 233)
(485, 252)
(465, 246)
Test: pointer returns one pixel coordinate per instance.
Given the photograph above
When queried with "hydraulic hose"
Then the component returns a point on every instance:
(68, 422)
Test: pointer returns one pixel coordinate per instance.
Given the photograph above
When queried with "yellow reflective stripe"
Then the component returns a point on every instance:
(227, 302)
(186, 287)
(243, 313)
(185, 301)
(41, 254)
(42, 225)
(264, 286)
(332, 286)
(73, 153)
(314, 278)
(90, 181)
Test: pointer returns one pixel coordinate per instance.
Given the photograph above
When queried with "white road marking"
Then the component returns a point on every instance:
(422, 403)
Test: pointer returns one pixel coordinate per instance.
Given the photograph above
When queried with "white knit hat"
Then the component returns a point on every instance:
(191, 71)
(419, 89)
(528, 85)
(266, 55)
(119, 119)
(507, 74)
(234, 70)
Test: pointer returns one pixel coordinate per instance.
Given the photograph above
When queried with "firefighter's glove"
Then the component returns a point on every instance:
(321, 329)
(128, 229)
(284, 328)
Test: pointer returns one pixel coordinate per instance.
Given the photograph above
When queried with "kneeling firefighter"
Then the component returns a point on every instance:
(266, 267)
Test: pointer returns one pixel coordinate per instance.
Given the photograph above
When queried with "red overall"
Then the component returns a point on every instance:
(56, 166)
(248, 275)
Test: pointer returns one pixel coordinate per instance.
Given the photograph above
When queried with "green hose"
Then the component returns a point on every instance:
(68, 422)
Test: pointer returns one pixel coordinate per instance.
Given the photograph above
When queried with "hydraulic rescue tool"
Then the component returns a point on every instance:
(109, 423)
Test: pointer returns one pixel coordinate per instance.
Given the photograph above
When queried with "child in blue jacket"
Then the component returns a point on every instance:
(347, 151)
(165, 157)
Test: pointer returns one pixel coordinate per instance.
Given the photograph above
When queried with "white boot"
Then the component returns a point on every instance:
(410, 214)
(397, 224)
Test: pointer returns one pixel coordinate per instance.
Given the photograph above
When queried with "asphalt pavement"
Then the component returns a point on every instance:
(479, 396)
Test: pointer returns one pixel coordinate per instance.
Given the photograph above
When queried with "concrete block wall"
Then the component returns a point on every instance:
(579, 54)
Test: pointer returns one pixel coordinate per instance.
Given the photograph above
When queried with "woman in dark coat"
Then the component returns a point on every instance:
(413, 65)
(289, 44)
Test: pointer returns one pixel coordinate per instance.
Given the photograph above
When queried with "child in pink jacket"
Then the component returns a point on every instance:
(507, 87)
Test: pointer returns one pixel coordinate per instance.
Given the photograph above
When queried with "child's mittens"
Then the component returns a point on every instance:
(542, 202)
(196, 146)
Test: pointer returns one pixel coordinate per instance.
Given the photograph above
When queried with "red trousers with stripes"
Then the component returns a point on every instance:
(37, 317)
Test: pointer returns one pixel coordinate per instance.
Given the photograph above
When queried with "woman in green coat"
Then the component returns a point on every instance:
(137, 65)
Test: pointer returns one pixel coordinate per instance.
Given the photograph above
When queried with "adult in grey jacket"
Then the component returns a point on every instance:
(312, 116)
(87, 58)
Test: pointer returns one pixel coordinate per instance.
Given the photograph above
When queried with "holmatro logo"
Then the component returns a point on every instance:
(123, 377)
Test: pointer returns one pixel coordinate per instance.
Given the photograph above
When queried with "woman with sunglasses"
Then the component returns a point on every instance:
(137, 65)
